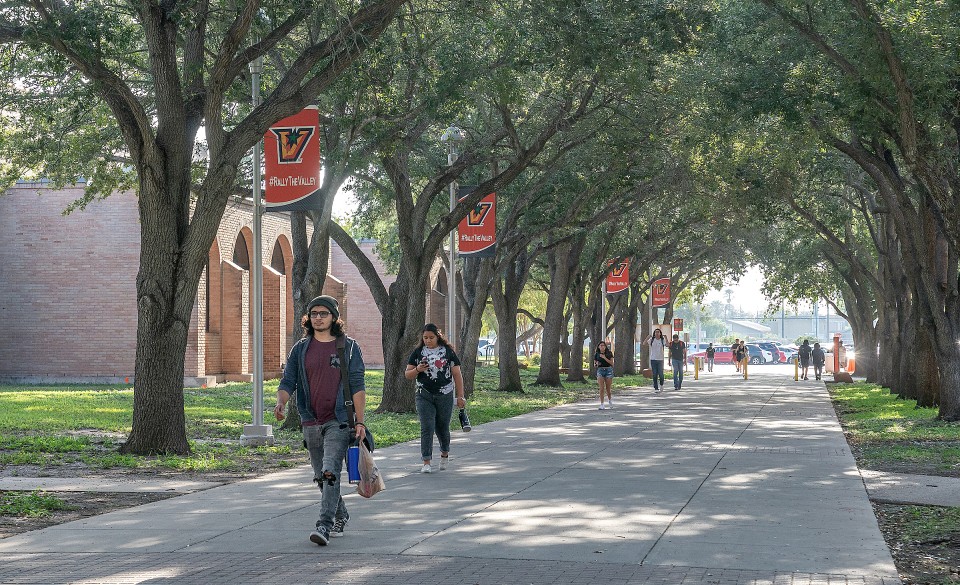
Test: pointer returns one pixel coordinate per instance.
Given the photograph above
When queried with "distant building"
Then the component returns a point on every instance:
(742, 328)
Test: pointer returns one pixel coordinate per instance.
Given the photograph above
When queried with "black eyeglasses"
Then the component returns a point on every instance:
(320, 314)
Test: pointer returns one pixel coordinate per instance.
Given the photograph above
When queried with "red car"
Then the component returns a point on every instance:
(723, 355)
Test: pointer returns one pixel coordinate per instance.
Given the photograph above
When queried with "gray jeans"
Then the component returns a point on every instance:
(327, 444)
(434, 411)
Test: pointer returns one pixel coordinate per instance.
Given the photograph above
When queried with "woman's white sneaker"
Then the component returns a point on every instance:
(426, 468)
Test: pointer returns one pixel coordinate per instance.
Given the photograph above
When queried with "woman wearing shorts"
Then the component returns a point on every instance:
(603, 359)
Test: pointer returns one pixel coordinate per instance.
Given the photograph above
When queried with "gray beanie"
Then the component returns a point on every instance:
(328, 302)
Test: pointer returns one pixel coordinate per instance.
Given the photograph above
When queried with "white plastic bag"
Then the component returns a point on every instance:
(371, 481)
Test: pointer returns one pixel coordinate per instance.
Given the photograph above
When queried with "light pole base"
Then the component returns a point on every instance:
(257, 435)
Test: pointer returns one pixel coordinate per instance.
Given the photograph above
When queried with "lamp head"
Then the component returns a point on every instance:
(452, 136)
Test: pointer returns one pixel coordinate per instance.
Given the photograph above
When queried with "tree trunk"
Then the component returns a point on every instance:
(402, 324)
(906, 384)
(561, 260)
(646, 328)
(506, 301)
(578, 308)
(167, 285)
(477, 280)
(926, 368)
(623, 341)
(159, 424)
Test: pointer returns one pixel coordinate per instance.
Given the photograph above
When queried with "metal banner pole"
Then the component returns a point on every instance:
(257, 433)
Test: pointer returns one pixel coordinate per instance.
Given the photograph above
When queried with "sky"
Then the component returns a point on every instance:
(747, 293)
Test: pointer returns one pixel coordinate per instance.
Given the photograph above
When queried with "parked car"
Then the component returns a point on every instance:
(773, 349)
(758, 355)
(723, 355)
(485, 348)
(788, 353)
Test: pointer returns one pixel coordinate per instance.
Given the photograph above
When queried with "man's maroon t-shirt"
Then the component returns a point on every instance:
(323, 375)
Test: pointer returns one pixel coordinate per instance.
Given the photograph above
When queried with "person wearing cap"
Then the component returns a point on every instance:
(312, 375)
(678, 357)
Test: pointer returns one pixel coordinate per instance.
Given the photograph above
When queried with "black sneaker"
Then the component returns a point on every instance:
(338, 525)
(320, 536)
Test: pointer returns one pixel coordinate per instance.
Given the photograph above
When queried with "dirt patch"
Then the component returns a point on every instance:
(919, 562)
(80, 505)
(935, 561)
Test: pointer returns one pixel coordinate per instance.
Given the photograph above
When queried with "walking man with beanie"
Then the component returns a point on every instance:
(312, 376)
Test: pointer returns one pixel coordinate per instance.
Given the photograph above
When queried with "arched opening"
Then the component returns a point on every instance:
(213, 320)
(277, 308)
(241, 254)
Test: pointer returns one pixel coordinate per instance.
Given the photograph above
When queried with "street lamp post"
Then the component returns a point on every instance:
(257, 433)
(452, 137)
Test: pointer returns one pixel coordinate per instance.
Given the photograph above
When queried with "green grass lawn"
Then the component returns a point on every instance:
(71, 425)
(889, 431)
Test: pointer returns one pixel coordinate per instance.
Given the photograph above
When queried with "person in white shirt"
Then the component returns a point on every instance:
(657, 344)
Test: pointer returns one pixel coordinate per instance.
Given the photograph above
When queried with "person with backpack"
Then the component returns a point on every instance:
(436, 368)
(804, 354)
(711, 354)
(678, 357)
(314, 376)
(735, 353)
(819, 358)
(657, 345)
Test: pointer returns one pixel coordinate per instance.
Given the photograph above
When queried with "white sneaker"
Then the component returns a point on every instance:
(602, 406)
(609, 405)
(426, 468)
(443, 463)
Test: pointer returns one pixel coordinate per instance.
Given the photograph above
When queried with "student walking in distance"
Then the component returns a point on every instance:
(678, 357)
(804, 354)
(657, 346)
(819, 358)
(711, 354)
(735, 353)
(313, 375)
(436, 368)
(603, 360)
(742, 353)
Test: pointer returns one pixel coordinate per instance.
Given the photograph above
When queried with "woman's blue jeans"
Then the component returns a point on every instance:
(656, 367)
(434, 411)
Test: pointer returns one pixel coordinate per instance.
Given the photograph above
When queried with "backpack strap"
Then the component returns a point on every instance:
(345, 381)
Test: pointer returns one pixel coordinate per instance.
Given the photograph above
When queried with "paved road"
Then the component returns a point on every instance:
(726, 481)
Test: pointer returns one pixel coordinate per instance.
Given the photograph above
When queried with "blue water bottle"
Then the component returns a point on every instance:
(353, 463)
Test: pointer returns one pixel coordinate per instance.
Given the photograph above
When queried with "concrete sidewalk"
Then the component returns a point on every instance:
(726, 481)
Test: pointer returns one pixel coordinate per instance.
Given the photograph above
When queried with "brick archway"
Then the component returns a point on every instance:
(235, 308)
(277, 307)
(213, 317)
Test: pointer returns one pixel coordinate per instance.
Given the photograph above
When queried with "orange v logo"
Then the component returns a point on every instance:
(291, 142)
(479, 214)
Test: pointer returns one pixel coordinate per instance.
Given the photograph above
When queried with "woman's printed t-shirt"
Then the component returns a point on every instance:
(438, 379)
(656, 349)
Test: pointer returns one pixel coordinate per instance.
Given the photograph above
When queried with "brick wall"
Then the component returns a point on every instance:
(68, 292)
(68, 312)
(362, 318)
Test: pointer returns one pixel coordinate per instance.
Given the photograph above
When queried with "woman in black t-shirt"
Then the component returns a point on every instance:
(436, 369)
